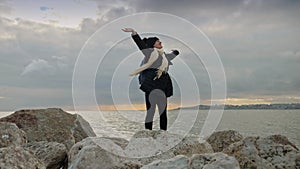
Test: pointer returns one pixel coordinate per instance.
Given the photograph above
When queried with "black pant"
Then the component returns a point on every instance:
(153, 98)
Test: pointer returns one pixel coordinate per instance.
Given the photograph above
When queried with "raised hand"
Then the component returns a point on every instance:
(128, 30)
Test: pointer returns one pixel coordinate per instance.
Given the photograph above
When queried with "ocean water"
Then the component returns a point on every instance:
(248, 122)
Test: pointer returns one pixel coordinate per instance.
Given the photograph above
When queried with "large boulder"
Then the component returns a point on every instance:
(54, 155)
(265, 153)
(150, 145)
(143, 148)
(11, 135)
(222, 139)
(52, 125)
(197, 161)
(100, 153)
(15, 157)
(213, 161)
(178, 162)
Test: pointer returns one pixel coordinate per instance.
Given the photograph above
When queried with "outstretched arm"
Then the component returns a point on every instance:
(137, 39)
(172, 55)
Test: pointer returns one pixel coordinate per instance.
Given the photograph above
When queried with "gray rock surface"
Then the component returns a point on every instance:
(53, 155)
(197, 161)
(15, 157)
(145, 147)
(99, 153)
(213, 161)
(52, 125)
(146, 143)
(265, 153)
(222, 139)
(10, 135)
(178, 162)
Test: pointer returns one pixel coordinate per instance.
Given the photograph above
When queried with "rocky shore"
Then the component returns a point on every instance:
(53, 139)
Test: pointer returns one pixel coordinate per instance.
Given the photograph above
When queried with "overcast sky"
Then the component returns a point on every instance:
(257, 42)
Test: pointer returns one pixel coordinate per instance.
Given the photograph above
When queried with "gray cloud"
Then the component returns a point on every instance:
(5, 7)
(37, 56)
(38, 66)
(258, 42)
(54, 66)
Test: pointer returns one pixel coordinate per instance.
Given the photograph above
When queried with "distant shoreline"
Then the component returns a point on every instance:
(290, 106)
(287, 106)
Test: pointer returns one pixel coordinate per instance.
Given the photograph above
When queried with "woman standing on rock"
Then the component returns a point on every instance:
(153, 77)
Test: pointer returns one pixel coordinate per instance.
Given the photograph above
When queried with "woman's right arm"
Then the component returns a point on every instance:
(136, 37)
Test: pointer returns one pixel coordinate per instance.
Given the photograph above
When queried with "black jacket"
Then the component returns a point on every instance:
(146, 77)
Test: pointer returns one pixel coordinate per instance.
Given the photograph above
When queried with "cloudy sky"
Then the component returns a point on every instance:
(257, 42)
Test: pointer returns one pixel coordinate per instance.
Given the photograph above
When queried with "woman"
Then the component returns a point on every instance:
(153, 76)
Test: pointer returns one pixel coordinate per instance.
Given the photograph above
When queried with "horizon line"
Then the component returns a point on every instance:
(136, 107)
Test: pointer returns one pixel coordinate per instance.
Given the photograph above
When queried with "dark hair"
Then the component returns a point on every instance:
(150, 41)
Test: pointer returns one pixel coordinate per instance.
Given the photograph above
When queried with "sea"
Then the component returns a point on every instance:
(261, 123)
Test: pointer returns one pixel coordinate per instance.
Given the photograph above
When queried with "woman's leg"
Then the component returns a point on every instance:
(150, 105)
(162, 108)
(159, 98)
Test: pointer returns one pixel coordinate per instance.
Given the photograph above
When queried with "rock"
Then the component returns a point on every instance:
(197, 161)
(222, 139)
(191, 145)
(151, 145)
(144, 147)
(297, 161)
(54, 155)
(178, 162)
(14, 157)
(102, 153)
(118, 141)
(52, 125)
(281, 140)
(11, 135)
(264, 153)
(213, 161)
